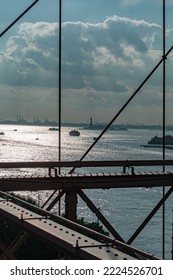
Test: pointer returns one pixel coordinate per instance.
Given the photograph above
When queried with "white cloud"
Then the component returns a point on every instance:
(88, 49)
(101, 63)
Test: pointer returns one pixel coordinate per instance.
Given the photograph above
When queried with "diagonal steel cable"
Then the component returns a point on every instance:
(17, 19)
(164, 57)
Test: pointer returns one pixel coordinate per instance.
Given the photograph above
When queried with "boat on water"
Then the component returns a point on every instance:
(53, 129)
(120, 128)
(2, 133)
(74, 133)
(156, 140)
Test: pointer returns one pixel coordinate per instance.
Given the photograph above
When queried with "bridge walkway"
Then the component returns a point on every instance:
(78, 244)
(75, 244)
(86, 181)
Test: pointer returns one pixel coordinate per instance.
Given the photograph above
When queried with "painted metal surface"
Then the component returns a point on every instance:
(75, 244)
(86, 181)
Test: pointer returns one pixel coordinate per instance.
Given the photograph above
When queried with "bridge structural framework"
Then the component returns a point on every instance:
(73, 184)
(64, 234)
(76, 183)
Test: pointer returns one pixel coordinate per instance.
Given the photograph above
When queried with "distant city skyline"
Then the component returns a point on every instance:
(108, 48)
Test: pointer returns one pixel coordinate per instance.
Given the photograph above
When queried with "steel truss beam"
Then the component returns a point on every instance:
(95, 210)
(76, 244)
(17, 242)
(68, 239)
(149, 217)
(6, 251)
(80, 164)
(75, 182)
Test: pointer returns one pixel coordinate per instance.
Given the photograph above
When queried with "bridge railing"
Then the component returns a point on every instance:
(54, 165)
(79, 164)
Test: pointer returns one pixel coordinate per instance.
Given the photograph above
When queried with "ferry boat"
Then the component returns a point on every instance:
(74, 133)
(159, 140)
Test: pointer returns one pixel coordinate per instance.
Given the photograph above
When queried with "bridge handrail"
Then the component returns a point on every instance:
(80, 164)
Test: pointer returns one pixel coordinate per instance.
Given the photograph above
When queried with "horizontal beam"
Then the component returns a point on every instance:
(9, 205)
(87, 181)
(74, 243)
(79, 164)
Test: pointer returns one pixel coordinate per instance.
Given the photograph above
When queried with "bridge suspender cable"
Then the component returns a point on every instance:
(164, 125)
(60, 72)
(18, 18)
(127, 102)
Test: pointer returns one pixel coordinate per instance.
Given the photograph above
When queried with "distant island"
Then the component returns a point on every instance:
(102, 126)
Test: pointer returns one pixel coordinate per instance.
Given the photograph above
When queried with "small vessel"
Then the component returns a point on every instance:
(74, 133)
(120, 128)
(2, 133)
(159, 140)
(53, 129)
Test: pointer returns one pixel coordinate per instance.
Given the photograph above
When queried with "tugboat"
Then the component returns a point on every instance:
(74, 133)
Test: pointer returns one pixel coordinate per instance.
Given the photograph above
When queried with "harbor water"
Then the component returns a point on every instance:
(125, 208)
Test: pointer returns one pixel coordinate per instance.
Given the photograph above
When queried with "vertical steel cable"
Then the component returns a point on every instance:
(126, 104)
(59, 101)
(172, 237)
(59, 91)
(60, 71)
(164, 123)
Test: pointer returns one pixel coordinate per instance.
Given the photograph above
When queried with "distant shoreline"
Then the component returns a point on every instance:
(85, 125)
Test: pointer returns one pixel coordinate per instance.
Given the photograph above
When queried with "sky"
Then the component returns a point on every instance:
(108, 49)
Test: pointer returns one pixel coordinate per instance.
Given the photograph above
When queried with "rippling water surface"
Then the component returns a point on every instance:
(124, 208)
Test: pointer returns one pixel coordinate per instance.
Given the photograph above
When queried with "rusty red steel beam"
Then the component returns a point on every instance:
(80, 164)
(86, 181)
